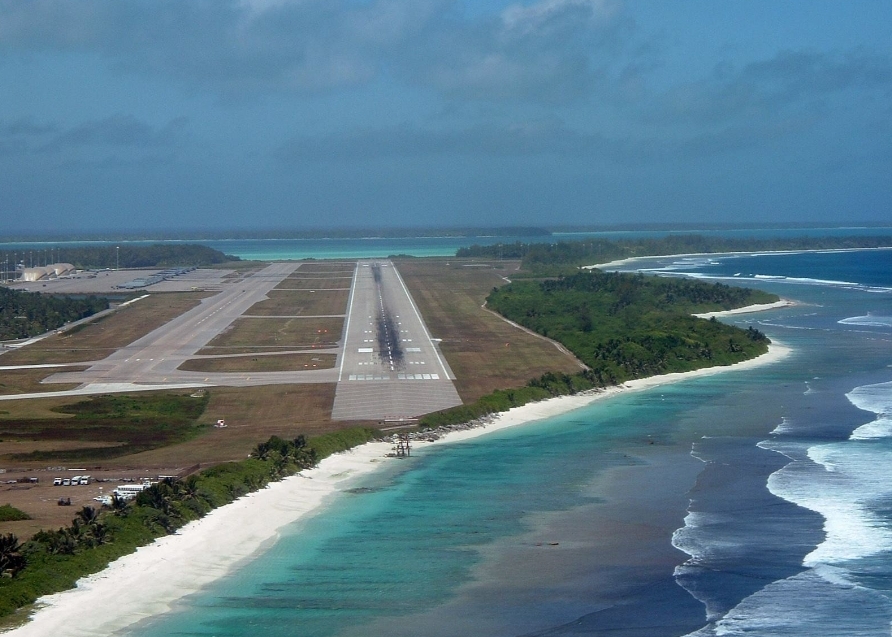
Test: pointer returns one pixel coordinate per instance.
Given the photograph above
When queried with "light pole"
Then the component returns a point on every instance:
(117, 257)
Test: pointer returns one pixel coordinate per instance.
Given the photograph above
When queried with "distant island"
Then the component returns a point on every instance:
(160, 255)
(390, 232)
(294, 233)
(551, 258)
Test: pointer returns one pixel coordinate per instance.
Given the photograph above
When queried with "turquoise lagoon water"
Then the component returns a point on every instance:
(272, 249)
(751, 502)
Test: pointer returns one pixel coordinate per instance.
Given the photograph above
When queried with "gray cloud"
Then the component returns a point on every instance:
(117, 131)
(552, 51)
(17, 136)
(238, 48)
(765, 88)
(115, 139)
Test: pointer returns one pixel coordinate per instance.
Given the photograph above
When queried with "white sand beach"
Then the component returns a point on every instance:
(761, 307)
(624, 262)
(149, 581)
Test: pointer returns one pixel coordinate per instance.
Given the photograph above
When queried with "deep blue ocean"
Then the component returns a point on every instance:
(750, 502)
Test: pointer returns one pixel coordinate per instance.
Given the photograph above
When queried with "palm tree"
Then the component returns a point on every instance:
(189, 487)
(118, 505)
(261, 450)
(11, 560)
(61, 542)
(96, 535)
(156, 496)
(88, 516)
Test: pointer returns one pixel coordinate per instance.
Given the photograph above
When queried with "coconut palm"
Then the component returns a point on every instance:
(87, 516)
(11, 559)
(97, 534)
(189, 488)
(118, 505)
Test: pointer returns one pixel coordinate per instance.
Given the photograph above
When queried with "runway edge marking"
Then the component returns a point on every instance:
(347, 323)
(446, 370)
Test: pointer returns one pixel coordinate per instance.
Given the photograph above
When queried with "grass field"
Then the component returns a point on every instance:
(301, 303)
(261, 363)
(295, 282)
(34, 408)
(289, 332)
(27, 381)
(241, 268)
(341, 268)
(119, 424)
(484, 351)
(252, 414)
(98, 339)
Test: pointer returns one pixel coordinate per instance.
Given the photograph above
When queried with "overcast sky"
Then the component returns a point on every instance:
(129, 114)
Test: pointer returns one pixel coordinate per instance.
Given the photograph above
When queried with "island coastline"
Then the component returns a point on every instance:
(177, 565)
(623, 262)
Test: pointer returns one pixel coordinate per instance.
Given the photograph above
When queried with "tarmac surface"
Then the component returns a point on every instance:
(110, 282)
(154, 358)
(388, 366)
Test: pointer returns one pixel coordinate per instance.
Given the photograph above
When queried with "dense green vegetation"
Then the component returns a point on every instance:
(552, 258)
(132, 256)
(622, 326)
(9, 513)
(133, 423)
(25, 314)
(625, 326)
(54, 560)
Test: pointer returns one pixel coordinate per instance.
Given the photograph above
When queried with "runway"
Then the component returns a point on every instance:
(388, 366)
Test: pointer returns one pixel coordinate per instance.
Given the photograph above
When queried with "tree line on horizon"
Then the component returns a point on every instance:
(159, 255)
(543, 259)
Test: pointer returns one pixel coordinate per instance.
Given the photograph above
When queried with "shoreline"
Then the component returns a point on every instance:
(628, 260)
(174, 566)
(749, 309)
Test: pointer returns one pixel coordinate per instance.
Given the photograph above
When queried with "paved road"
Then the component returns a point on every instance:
(154, 358)
(390, 368)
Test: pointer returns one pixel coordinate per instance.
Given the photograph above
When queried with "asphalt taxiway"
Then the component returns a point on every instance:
(388, 366)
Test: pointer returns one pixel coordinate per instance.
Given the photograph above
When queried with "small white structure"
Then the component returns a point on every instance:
(52, 271)
(130, 491)
(36, 274)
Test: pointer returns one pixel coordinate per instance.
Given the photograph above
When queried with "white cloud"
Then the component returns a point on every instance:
(530, 19)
